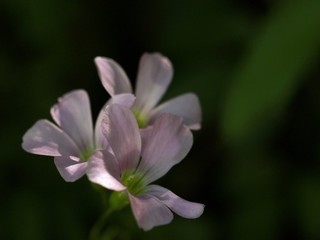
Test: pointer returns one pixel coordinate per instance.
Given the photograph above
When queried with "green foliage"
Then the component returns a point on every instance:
(268, 77)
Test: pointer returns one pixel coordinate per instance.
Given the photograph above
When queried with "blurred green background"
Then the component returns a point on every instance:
(255, 67)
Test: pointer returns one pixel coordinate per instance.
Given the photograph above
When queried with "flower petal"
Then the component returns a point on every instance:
(122, 132)
(164, 145)
(70, 168)
(104, 170)
(125, 99)
(149, 212)
(154, 76)
(44, 138)
(73, 114)
(180, 206)
(100, 140)
(112, 76)
(186, 106)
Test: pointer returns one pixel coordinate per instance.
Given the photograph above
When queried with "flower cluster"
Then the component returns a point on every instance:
(134, 142)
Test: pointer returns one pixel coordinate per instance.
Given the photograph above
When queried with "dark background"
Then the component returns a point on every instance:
(253, 64)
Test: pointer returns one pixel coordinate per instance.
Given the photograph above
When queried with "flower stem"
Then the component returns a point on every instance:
(96, 230)
(116, 202)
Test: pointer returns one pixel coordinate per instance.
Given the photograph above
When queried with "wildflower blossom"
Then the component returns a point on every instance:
(137, 159)
(72, 141)
(154, 76)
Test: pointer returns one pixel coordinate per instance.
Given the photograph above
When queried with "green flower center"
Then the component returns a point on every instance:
(84, 156)
(142, 120)
(134, 181)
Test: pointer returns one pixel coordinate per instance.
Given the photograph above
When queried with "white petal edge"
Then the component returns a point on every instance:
(149, 212)
(100, 140)
(73, 114)
(104, 170)
(186, 106)
(122, 132)
(164, 145)
(154, 76)
(70, 168)
(44, 138)
(125, 99)
(178, 205)
(112, 76)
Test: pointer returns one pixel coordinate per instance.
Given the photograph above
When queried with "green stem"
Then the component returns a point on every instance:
(116, 201)
(96, 230)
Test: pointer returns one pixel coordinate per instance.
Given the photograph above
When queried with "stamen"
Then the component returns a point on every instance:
(141, 119)
(134, 181)
(84, 156)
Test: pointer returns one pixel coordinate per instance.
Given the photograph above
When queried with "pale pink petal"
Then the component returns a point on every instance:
(186, 106)
(73, 114)
(145, 134)
(122, 132)
(154, 76)
(180, 206)
(125, 99)
(44, 138)
(149, 212)
(112, 76)
(104, 170)
(70, 168)
(167, 143)
(100, 140)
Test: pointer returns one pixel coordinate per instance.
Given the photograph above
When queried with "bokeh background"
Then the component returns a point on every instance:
(255, 67)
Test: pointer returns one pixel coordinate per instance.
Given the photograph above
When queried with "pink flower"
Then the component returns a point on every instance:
(136, 160)
(154, 76)
(72, 141)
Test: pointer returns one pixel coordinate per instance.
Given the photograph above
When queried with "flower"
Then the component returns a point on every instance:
(154, 76)
(137, 159)
(73, 140)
